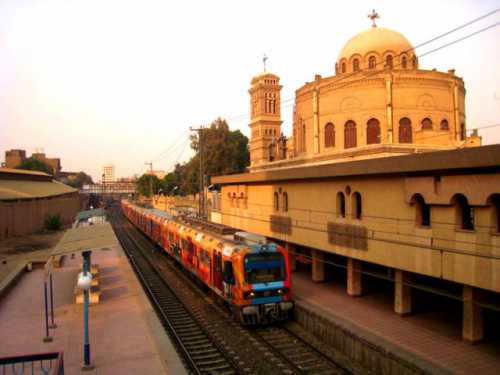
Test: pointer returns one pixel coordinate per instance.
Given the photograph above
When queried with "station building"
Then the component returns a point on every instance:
(379, 175)
(28, 197)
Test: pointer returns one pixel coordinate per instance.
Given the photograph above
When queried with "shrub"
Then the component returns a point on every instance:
(53, 222)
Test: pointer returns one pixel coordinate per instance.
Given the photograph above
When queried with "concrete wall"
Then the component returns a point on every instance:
(368, 351)
(28, 216)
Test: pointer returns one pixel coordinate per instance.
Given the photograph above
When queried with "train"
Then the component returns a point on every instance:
(250, 274)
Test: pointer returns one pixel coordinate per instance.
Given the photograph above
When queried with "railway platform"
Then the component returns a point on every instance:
(431, 345)
(126, 336)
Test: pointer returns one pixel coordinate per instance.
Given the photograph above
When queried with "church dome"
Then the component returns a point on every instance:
(377, 40)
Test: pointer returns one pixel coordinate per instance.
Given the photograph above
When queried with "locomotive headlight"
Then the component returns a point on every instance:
(249, 295)
(280, 291)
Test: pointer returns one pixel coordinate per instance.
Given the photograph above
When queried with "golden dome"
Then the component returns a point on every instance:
(375, 39)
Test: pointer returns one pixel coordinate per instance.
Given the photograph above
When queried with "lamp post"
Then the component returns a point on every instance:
(84, 283)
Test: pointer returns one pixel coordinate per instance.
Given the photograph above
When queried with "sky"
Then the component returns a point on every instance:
(99, 82)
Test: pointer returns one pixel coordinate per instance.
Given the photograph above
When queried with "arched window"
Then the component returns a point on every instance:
(372, 62)
(350, 134)
(404, 62)
(372, 131)
(357, 208)
(444, 125)
(462, 132)
(355, 65)
(336, 68)
(329, 135)
(414, 61)
(405, 132)
(276, 201)
(464, 213)
(285, 202)
(343, 67)
(389, 61)
(340, 204)
(494, 201)
(422, 211)
(426, 124)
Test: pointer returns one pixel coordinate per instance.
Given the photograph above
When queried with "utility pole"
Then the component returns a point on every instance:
(150, 178)
(201, 195)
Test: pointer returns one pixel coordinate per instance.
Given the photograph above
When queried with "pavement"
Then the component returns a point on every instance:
(432, 336)
(125, 335)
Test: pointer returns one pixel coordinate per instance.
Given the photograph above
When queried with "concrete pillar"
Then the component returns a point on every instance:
(291, 256)
(318, 267)
(353, 277)
(402, 293)
(472, 324)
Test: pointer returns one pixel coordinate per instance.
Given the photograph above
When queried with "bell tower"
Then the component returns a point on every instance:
(265, 120)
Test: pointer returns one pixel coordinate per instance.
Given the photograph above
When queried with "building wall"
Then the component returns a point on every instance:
(13, 158)
(28, 216)
(109, 173)
(387, 233)
(416, 94)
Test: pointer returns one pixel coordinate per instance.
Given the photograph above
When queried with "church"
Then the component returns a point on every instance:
(380, 176)
(377, 103)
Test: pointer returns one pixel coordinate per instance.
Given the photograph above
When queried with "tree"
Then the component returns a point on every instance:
(78, 180)
(145, 182)
(33, 164)
(224, 151)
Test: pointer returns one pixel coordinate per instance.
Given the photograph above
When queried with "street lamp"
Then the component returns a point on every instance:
(84, 283)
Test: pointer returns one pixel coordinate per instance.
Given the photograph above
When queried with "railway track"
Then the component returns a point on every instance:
(281, 350)
(201, 354)
(300, 355)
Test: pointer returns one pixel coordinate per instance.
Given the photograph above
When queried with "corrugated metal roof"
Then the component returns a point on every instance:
(22, 171)
(25, 189)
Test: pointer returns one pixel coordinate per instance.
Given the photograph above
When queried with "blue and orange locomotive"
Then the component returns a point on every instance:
(251, 274)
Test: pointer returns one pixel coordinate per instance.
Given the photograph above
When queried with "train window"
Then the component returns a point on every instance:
(264, 268)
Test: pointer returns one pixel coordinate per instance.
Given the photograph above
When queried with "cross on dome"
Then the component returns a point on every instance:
(264, 59)
(373, 16)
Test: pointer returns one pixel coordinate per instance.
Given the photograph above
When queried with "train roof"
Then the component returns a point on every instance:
(230, 238)
(160, 213)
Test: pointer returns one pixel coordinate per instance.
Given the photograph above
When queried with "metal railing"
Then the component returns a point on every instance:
(33, 364)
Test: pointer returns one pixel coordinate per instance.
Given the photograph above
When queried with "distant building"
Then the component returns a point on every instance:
(14, 157)
(127, 179)
(53, 163)
(108, 173)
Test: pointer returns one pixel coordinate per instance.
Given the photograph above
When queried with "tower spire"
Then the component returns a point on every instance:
(264, 60)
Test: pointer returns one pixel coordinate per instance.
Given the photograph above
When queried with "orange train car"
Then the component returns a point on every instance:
(251, 274)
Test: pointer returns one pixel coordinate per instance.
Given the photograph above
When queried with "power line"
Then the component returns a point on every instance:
(349, 75)
(385, 240)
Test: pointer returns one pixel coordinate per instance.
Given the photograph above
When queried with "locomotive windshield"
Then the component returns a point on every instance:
(264, 268)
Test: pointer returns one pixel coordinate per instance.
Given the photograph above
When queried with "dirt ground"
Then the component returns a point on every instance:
(34, 248)
(27, 244)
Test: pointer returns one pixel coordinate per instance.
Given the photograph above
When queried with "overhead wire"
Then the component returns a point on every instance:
(349, 75)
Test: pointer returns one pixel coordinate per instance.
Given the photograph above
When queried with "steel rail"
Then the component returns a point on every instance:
(143, 271)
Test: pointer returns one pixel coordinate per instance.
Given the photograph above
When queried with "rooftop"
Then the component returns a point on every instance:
(484, 158)
(26, 189)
